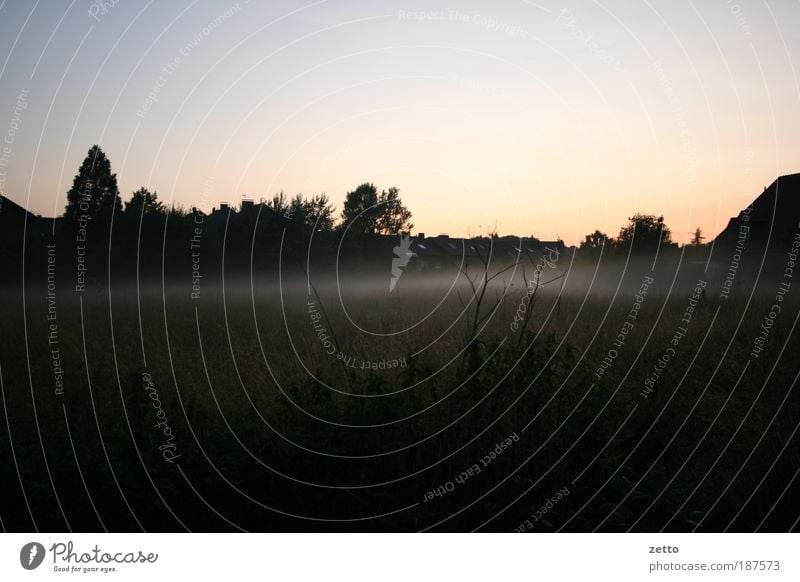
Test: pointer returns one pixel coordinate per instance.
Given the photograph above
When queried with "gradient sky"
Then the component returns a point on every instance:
(538, 118)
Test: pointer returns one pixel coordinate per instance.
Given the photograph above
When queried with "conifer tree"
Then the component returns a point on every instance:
(94, 189)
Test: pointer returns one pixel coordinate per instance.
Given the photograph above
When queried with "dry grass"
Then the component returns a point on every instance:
(256, 431)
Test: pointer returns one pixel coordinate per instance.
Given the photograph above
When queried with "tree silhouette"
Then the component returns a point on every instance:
(393, 217)
(144, 201)
(279, 204)
(368, 212)
(697, 238)
(304, 213)
(360, 207)
(298, 214)
(94, 189)
(319, 213)
(644, 231)
(595, 240)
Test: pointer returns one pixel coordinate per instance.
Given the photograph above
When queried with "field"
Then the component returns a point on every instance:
(618, 397)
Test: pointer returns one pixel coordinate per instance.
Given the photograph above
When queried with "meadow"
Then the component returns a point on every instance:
(271, 404)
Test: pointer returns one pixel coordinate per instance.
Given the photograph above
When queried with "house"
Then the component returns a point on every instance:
(14, 219)
(443, 251)
(770, 222)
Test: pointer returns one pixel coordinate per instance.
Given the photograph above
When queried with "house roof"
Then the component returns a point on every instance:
(11, 210)
(775, 213)
(507, 249)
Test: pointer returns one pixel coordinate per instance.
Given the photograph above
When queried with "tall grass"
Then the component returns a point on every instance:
(274, 434)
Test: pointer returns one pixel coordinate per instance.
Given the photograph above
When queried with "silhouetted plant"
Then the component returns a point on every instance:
(595, 240)
(144, 202)
(644, 231)
(94, 189)
(368, 212)
(697, 237)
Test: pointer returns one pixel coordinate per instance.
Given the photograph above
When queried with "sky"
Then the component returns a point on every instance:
(526, 118)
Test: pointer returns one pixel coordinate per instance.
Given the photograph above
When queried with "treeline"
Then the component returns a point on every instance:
(643, 233)
(143, 237)
(95, 196)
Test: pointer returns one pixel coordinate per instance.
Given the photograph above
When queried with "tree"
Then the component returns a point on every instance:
(319, 213)
(312, 213)
(644, 231)
(297, 211)
(94, 189)
(595, 240)
(279, 204)
(360, 207)
(697, 238)
(144, 202)
(393, 217)
(368, 212)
